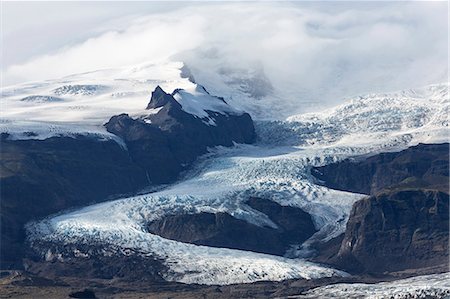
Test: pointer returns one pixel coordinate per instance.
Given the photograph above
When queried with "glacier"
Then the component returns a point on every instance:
(276, 167)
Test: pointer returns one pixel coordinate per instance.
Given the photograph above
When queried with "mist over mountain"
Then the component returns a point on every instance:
(300, 56)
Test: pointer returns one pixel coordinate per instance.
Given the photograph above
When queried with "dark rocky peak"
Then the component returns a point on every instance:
(188, 107)
(160, 98)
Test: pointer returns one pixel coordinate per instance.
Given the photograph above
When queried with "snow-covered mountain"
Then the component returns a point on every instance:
(80, 104)
(277, 167)
(92, 98)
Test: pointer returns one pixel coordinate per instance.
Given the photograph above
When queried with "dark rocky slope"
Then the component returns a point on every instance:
(223, 230)
(404, 224)
(395, 231)
(421, 166)
(42, 177)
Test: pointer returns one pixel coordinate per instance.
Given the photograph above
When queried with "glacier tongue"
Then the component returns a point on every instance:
(276, 168)
(223, 183)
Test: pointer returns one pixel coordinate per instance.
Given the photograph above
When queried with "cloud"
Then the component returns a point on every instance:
(147, 39)
(316, 53)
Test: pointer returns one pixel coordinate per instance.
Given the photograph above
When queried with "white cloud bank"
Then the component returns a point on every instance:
(313, 52)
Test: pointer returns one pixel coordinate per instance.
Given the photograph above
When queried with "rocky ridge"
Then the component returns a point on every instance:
(404, 223)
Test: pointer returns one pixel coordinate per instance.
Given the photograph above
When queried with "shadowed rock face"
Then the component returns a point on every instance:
(421, 166)
(396, 231)
(41, 177)
(296, 225)
(223, 230)
(160, 98)
(405, 223)
(167, 142)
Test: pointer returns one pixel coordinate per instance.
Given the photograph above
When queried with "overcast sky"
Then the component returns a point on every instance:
(357, 46)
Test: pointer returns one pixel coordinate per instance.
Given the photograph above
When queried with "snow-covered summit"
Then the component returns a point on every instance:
(197, 101)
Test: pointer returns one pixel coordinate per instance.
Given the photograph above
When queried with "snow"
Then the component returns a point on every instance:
(24, 130)
(366, 119)
(91, 98)
(85, 90)
(198, 102)
(277, 169)
(426, 286)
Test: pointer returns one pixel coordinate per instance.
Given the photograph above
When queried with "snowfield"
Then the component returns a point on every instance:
(197, 101)
(276, 168)
(93, 97)
(426, 286)
(86, 101)
(23, 130)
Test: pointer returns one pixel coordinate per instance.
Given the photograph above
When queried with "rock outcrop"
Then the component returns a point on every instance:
(404, 224)
(223, 230)
(396, 231)
(42, 177)
(421, 166)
